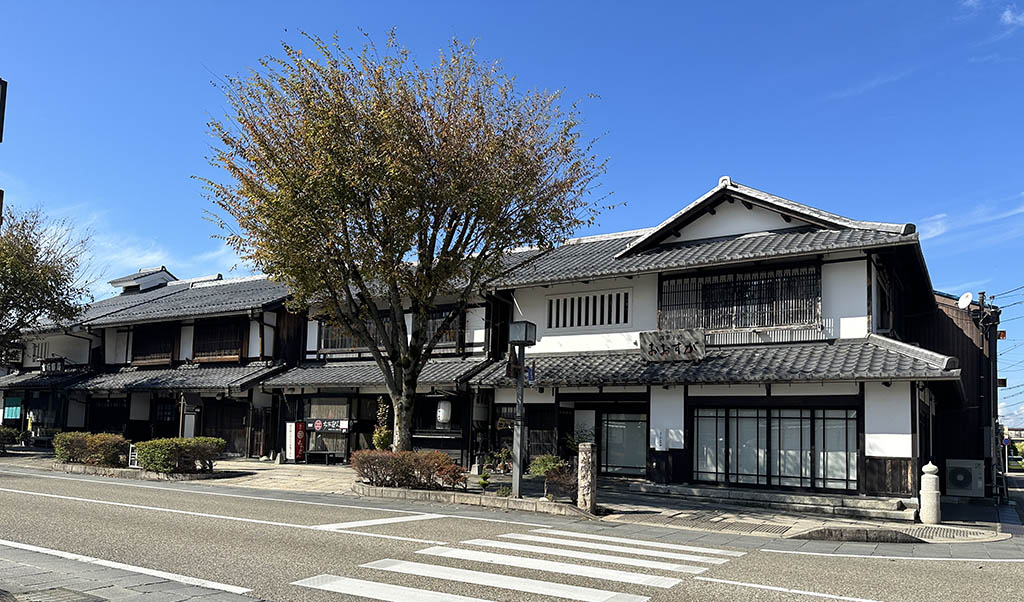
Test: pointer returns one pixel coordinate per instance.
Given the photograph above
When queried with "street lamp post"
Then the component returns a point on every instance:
(521, 335)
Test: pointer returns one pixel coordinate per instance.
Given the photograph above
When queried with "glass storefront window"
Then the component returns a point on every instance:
(624, 448)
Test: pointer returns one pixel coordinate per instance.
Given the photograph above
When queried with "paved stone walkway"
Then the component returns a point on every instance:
(28, 576)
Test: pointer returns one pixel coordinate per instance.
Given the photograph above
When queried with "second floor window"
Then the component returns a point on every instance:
(335, 337)
(589, 310)
(761, 299)
(152, 344)
(449, 336)
(219, 340)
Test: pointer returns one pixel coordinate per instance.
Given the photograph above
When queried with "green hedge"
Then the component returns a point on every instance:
(179, 454)
(8, 436)
(100, 449)
(414, 470)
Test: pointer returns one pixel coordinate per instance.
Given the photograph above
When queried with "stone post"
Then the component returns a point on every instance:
(587, 474)
(931, 512)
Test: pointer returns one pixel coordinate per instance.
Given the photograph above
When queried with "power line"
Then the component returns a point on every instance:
(1009, 291)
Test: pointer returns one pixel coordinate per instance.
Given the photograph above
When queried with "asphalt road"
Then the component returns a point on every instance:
(266, 541)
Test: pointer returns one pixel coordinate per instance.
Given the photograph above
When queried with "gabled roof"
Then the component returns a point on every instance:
(602, 257)
(132, 279)
(108, 306)
(874, 358)
(729, 190)
(200, 299)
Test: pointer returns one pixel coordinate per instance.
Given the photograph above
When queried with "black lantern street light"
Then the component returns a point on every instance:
(521, 334)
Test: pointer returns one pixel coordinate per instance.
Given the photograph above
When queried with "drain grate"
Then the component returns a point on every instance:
(57, 594)
(944, 533)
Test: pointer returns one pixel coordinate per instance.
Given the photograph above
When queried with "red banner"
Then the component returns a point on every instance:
(300, 440)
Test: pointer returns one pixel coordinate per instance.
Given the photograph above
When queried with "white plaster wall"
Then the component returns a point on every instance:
(744, 390)
(476, 325)
(185, 347)
(254, 339)
(731, 219)
(115, 345)
(667, 411)
(531, 304)
(58, 345)
(312, 334)
(530, 395)
(781, 390)
(139, 407)
(844, 299)
(270, 321)
(887, 428)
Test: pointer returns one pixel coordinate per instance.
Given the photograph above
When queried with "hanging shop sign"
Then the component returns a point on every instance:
(685, 345)
(324, 425)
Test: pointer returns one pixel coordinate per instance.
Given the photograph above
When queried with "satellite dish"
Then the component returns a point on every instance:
(965, 300)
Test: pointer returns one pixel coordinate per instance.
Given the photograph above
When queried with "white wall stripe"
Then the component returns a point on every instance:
(519, 584)
(109, 481)
(550, 566)
(215, 516)
(224, 587)
(379, 591)
(877, 557)
(377, 521)
(611, 548)
(641, 542)
(608, 558)
(784, 589)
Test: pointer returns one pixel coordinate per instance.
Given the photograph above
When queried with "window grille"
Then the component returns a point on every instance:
(768, 298)
(217, 340)
(335, 337)
(451, 335)
(152, 344)
(587, 310)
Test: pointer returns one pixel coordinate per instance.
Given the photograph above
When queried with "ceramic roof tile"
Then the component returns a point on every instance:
(39, 380)
(438, 371)
(189, 377)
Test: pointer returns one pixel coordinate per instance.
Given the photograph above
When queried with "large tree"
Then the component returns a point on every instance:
(42, 275)
(374, 186)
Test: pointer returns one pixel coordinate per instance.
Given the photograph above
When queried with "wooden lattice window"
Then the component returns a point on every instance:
(589, 310)
(153, 344)
(218, 341)
(761, 299)
(335, 337)
(451, 336)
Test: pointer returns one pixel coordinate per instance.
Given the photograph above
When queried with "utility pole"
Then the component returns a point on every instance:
(3, 110)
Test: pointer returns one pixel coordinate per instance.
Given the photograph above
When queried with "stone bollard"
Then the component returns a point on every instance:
(931, 512)
(586, 498)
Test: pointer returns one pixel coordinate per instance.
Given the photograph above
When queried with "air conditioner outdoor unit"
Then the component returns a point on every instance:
(965, 478)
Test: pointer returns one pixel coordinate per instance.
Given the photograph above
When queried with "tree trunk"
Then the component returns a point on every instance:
(403, 421)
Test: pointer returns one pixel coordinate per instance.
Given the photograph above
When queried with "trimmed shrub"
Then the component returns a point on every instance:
(71, 447)
(373, 466)
(547, 465)
(453, 476)
(564, 479)
(8, 436)
(414, 470)
(180, 454)
(105, 449)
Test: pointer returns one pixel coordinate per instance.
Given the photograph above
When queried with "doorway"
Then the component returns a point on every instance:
(623, 444)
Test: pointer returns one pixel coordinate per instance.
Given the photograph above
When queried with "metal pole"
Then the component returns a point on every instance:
(519, 434)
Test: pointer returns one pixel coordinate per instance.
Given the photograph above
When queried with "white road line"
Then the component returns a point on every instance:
(608, 558)
(234, 589)
(611, 548)
(641, 542)
(106, 481)
(377, 521)
(784, 590)
(876, 557)
(550, 566)
(379, 591)
(215, 516)
(519, 584)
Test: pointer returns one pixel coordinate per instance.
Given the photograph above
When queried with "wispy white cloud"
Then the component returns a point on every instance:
(867, 86)
(935, 225)
(987, 224)
(1011, 16)
(961, 287)
(994, 57)
(971, 4)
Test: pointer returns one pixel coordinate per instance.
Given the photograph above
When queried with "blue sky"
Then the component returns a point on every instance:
(906, 111)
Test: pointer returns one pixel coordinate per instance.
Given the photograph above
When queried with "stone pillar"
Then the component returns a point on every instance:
(587, 474)
(931, 512)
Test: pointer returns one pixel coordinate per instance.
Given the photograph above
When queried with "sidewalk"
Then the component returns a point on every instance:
(30, 576)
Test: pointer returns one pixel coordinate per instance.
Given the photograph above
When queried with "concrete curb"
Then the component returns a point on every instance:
(130, 473)
(471, 499)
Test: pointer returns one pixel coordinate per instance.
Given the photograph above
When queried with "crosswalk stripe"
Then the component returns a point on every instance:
(519, 584)
(608, 558)
(377, 521)
(379, 591)
(611, 548)
(640, 542)
(563, 568)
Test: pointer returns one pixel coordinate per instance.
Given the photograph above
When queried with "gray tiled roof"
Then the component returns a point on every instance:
(843, 360)
(438, 371)
(199, 299)
(189, 377)
(39, 380)
(597, 258)
(105, 307)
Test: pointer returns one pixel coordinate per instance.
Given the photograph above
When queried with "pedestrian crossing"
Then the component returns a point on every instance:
(545, 560)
